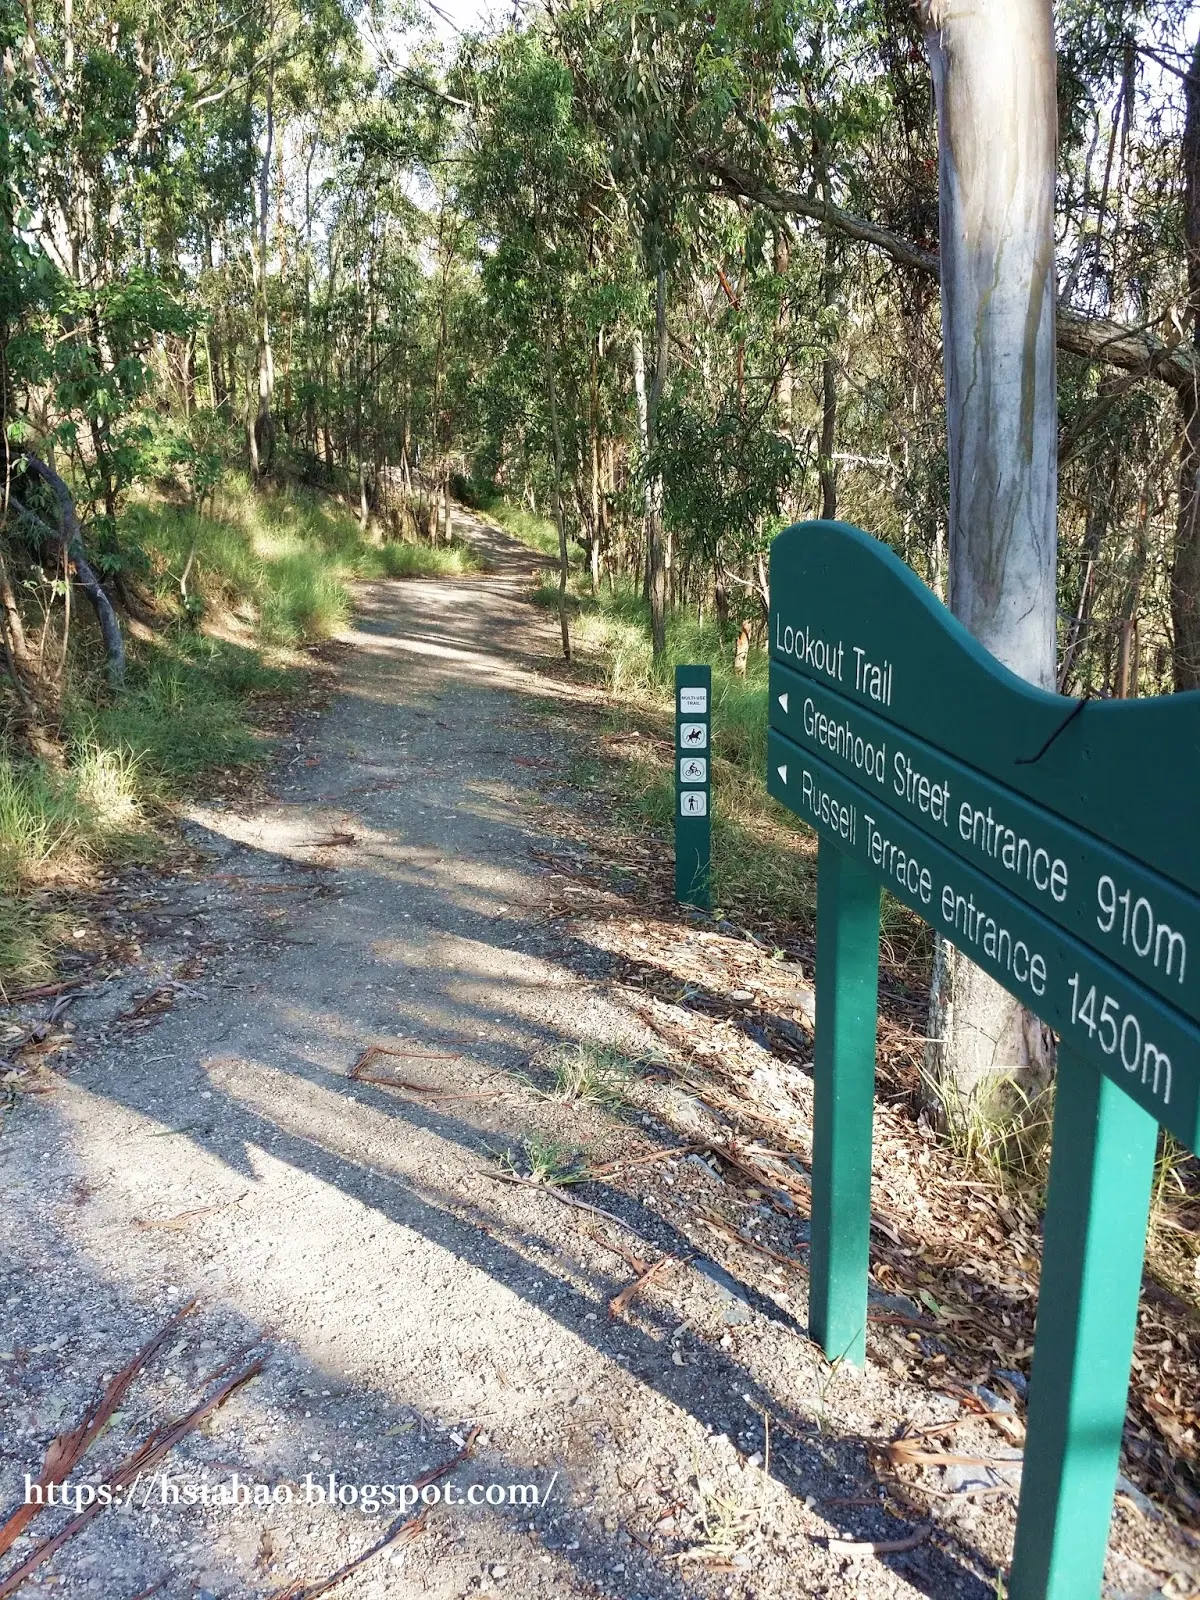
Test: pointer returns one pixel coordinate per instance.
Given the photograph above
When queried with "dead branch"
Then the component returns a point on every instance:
(1094, 338)
(72, 536)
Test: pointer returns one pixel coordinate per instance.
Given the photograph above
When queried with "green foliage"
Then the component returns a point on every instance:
(762, 857)
(724, 478)
(184, 711)
(550, 1161)
(539, 533)
(273, 568)
(27, 940)
(281, 560)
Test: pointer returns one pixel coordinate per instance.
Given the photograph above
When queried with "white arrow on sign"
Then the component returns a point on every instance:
(782, 771)
(783, 701)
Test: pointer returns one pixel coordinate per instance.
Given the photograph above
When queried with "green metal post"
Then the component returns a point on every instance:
(1101, 1168)
(693, 786)
(843, 1102)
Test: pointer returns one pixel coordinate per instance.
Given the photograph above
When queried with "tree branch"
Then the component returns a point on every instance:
(1097, 339)
(110, 628)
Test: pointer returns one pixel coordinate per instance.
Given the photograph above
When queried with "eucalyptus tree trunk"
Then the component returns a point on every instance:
(994, 80)
(262, 444)
(643, 424)
(658, 555)
(826, 468)
(559, 519)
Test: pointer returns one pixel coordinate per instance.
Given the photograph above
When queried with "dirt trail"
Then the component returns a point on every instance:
(359, 1237)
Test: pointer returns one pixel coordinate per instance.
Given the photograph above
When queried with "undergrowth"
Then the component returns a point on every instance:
(764, 858)
(592, 1074)
(279, 561)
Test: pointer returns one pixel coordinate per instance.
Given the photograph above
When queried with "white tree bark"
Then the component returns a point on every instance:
(993, 66)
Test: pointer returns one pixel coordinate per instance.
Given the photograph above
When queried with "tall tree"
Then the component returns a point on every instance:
(993, 65)
(1185, 575)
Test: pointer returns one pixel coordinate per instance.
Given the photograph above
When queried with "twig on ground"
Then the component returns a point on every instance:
(620, 1302)
(618, 1249)
(567, 1199)
(426, 1089)
(402, 1531)
(608, 1168)
(373, 1051)
(182, 1218)
(878, 1547)
(43, 991)
(726, 1229)
(154, 1588)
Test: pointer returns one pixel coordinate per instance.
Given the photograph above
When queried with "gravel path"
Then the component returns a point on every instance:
(406, 1302)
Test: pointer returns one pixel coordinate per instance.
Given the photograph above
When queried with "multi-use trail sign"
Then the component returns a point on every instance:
(1054, 842)
(693, 785)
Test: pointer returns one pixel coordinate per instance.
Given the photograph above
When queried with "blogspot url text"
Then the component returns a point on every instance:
(155, 1489)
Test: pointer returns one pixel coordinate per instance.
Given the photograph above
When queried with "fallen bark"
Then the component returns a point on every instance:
(160, 1443)
(68, 1449)
(623, 1299)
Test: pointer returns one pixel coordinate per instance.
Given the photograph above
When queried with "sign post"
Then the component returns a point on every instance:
(843, 1104)
(693, 786)
(1043, 836)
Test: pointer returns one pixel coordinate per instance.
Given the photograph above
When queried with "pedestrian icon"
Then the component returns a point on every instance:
(693, 803)
(693, 735)
(693, 769)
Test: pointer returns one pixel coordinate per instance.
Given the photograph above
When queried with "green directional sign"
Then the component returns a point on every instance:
(1136, 917)
(1050, 840)
(693, 785)
(848, 615)
(1146, 1046)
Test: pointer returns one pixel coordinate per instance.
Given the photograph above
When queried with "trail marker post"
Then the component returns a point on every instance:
(693, 785)
(1050, 840)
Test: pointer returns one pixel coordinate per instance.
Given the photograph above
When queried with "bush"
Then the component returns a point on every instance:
(481, 494)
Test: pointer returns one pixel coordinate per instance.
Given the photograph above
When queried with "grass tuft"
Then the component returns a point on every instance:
(27, 940)
(421, 561)
(549, 1160)
(592, 1074)
(539, 533)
